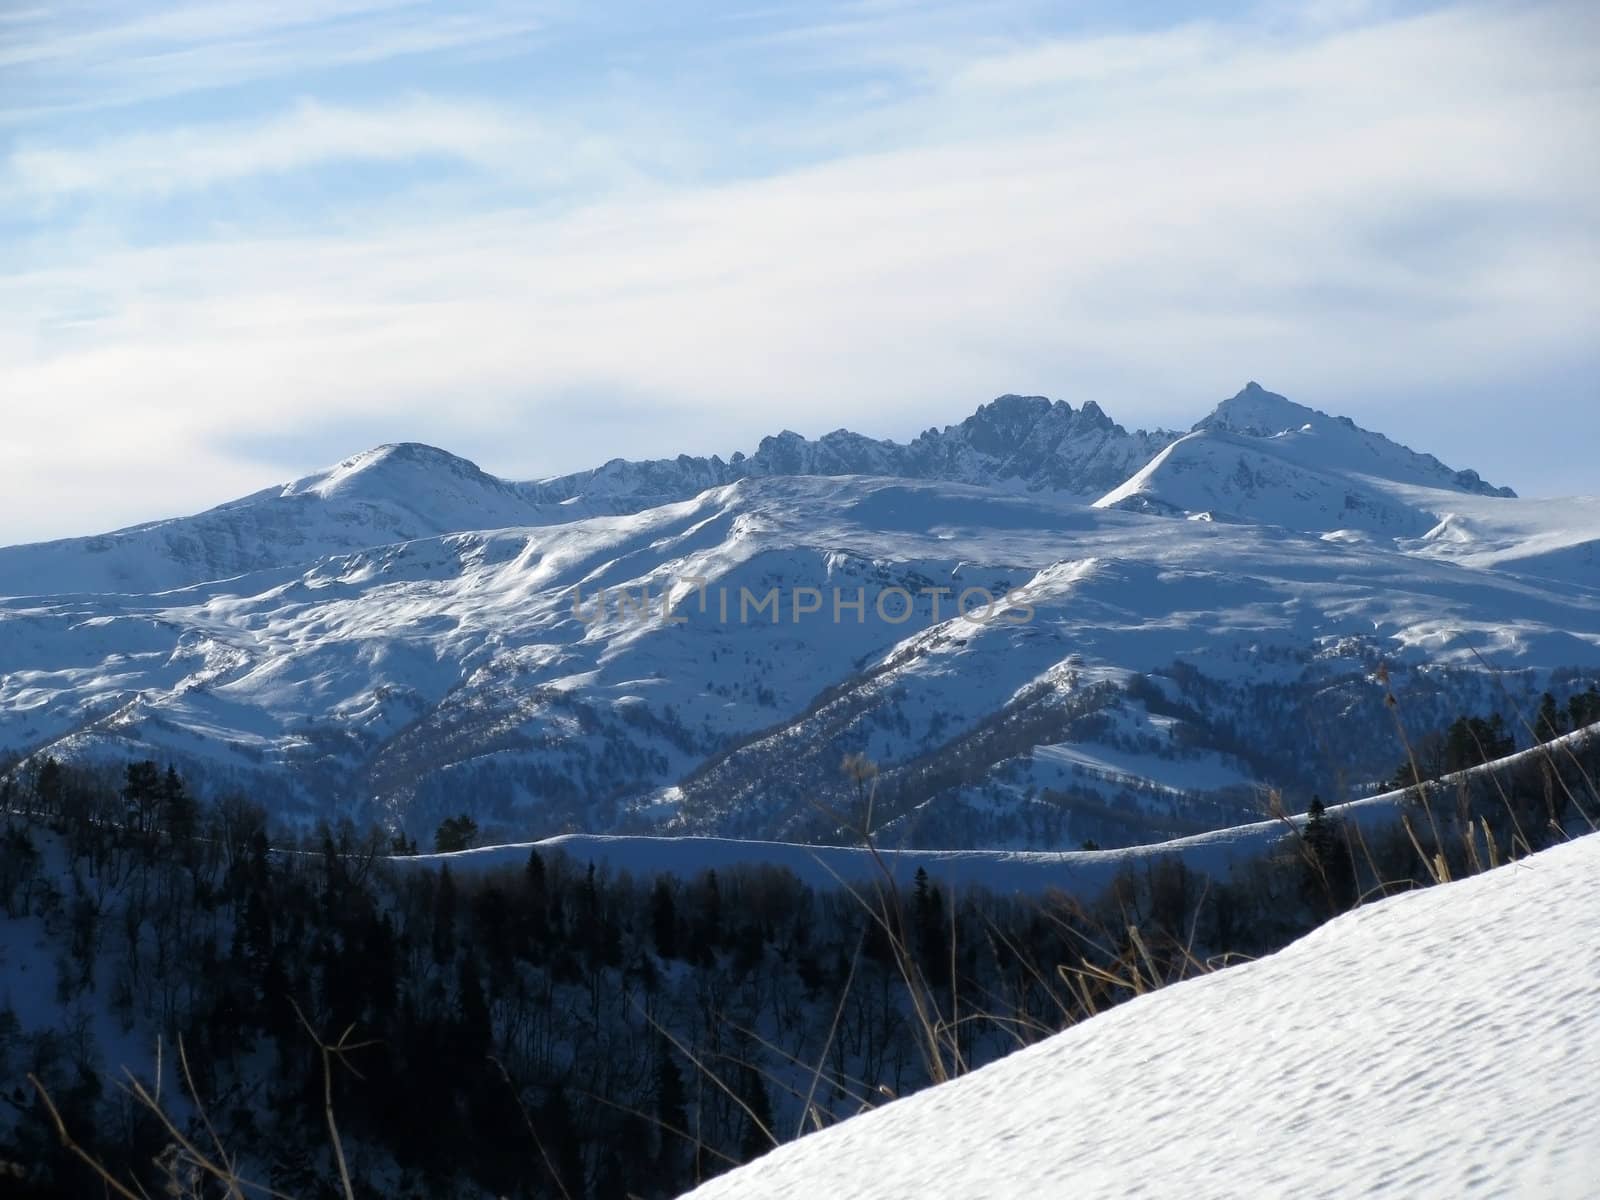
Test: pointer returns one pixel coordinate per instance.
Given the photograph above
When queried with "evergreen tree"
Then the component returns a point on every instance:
(671, 1112)
(454, 834)
(179, 812)
(535, 906)
(754, 1141)
(1317, 833)
(1472, 741)
(50, 786)
(1329, 874)
(664, 919)
(1548, 725)
(706, 927)
(1583, 708)
(141, 795)
(587, 927)
(560, 1141)
(1499, 739)
(444, 917)
(930, 928)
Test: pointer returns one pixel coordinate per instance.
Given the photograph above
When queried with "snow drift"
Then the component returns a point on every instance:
(1441, 1043)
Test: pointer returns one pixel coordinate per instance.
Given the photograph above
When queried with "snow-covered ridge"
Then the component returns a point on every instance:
(1316, 438)
(1441, 1043)
(1026, 443)
(392, 681)
(404, 491)
(1261, 458)
(1257, 457)
(386, 636)
(1082, 874)
(389, 494)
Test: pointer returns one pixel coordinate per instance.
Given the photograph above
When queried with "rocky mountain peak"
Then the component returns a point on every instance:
(1254, 410)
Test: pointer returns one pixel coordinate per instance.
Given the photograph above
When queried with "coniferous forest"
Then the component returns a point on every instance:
(559, 1031)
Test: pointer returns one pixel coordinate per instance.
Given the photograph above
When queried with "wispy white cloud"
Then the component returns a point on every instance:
(97, 54)
(308, 134)
(1366, 216)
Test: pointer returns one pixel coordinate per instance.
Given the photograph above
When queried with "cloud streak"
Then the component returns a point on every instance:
(95, 55)
(308, 135)
(1377, 220)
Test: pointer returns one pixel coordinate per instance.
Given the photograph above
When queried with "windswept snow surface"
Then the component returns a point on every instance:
(408, 676)
(1442, 1043)
(1263, 459)
(400, 635)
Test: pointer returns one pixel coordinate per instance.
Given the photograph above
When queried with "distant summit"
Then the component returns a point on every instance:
(1024, 443)
(388, 462)
(1257, 457)
(402, 636)
(1256, 412)
(1260, 458)
(391, 493)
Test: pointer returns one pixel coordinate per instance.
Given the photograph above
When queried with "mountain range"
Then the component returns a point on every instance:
(406, 491)
(403, 636)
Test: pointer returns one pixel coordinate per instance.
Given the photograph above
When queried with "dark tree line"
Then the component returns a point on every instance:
(554, 1029)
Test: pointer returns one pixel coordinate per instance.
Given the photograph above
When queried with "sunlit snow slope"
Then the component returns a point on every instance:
(395, 639)
(404, 491)
(1439, 1044)
(1260, 457)
(388, 494)
(420, 677)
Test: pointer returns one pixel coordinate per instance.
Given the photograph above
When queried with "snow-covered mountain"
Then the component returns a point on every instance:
(1261, 458)
(404, 636)
(1436, 1044)
(1315, 439)
(403, 492)
(1020, 443)
(389, 494)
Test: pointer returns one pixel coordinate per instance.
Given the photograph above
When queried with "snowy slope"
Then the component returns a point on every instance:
(1083, 874)
(1264, 459)
(388, 637)
(1438, 1044)
(1558, 540)
(1314, 439)
(406, 491)
(1019, 443)
(1219, 475)
(1257, 457)
(388, 494)
(398, 680)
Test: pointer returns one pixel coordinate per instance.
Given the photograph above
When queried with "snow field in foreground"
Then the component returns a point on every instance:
(1441, 1043)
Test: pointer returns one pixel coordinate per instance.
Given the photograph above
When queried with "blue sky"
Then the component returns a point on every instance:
(240, 240)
